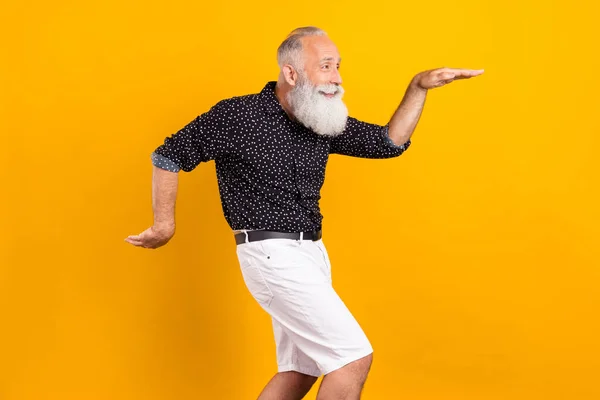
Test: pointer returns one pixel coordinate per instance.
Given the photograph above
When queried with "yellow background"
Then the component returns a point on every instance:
(472, 261)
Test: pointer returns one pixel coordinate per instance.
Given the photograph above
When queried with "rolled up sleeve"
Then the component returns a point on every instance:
(365, 140)
(164, 163)
(201, 140)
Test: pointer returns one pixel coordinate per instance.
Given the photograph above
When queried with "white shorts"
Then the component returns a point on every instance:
(315, 333)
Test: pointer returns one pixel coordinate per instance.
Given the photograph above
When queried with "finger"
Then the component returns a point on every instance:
(134, 242)
(468, 73)
(446, 75)
(442, 83)
(141, 236)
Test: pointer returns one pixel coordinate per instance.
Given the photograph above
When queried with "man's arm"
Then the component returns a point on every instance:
(203, 139)
(405, 119)
(365, 140)
(361, 139)
(164, 195)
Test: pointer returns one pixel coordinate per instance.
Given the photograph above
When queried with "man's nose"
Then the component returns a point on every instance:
(336, 78)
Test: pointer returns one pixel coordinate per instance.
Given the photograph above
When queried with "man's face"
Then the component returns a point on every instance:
(321, 60)
(316, 99)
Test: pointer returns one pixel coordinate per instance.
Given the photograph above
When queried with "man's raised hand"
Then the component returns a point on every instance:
(442, 76)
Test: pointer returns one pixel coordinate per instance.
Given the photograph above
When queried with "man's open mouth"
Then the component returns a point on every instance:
(328, 95)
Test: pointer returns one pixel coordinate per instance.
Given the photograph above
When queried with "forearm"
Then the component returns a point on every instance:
(405, 119)
(164, 194)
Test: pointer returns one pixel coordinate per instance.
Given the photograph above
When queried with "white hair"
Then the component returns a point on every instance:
(290, 51)
(324, 116)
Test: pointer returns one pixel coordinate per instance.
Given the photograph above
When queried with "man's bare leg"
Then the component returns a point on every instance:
(347, 382)
(289, 385)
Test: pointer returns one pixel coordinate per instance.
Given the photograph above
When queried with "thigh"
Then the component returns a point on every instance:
(301, 299)
(275, 267)
(289, 356)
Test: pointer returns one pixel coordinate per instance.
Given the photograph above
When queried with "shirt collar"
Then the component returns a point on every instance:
(269, 100)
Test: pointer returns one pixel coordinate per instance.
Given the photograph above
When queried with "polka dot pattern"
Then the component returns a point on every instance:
(270, 169)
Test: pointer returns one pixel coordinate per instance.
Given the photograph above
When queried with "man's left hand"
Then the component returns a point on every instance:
(442, 76)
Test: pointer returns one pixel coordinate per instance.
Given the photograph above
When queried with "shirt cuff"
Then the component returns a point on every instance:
(403, 146)
(164, 163)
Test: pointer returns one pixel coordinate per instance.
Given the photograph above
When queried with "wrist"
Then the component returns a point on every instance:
(415, 84)
(164, 228)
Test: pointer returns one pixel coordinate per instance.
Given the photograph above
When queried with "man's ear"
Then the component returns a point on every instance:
(290, 75)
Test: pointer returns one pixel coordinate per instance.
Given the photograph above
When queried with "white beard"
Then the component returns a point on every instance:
(323, 115)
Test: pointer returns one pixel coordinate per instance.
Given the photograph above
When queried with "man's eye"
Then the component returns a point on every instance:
(325, 66)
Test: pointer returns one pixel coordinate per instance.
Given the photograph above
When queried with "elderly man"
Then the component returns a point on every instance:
(270, 150)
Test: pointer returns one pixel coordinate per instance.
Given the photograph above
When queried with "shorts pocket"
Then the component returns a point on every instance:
(256, 283)
(325, 255)
(262, 249)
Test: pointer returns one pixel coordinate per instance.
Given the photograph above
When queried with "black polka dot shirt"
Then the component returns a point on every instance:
(270, 169)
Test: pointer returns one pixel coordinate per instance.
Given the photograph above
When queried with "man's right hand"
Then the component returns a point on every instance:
(152, 237)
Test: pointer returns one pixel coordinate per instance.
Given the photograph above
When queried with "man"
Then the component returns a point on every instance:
(270, 151)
